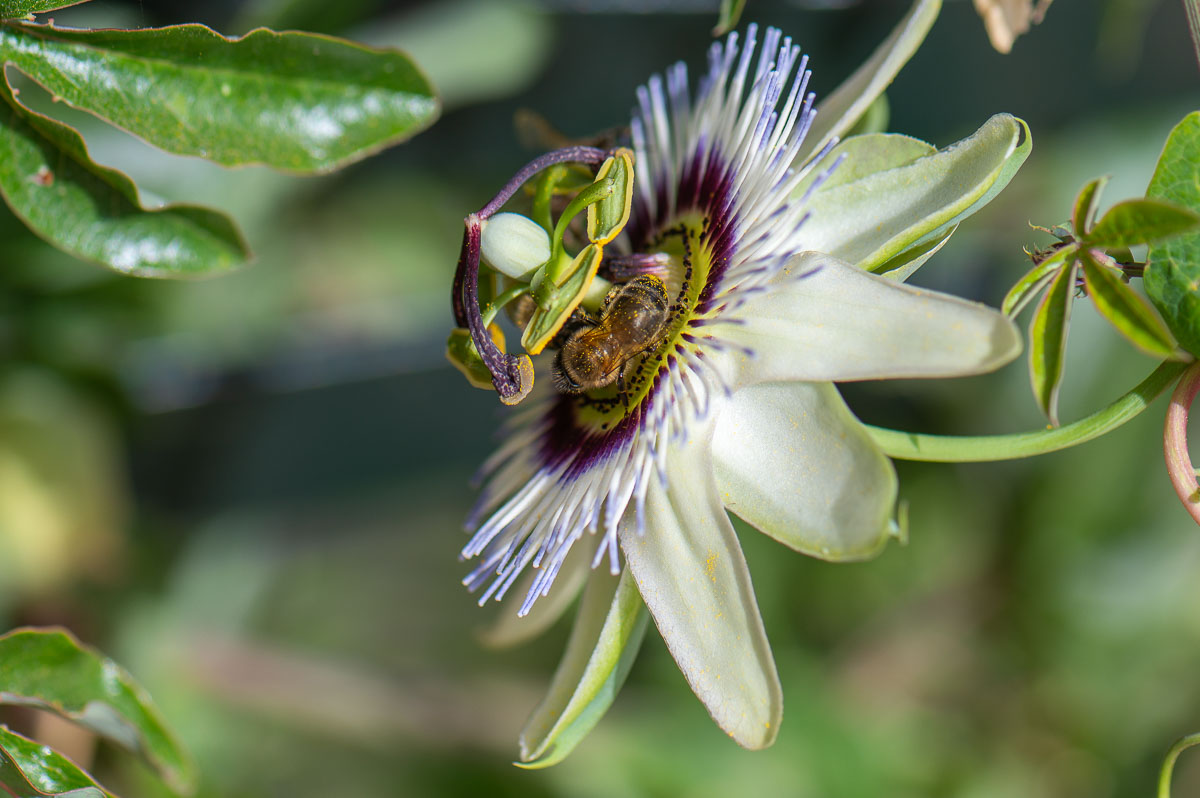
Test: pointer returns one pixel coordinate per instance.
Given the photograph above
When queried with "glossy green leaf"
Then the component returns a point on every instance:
(872, 220)
(1085, 205)
(604, 643)
(49, 669)
(841, 109)
(92, 212)
(1172, 278)
(1142, 221)
(21, 9)
(294, 101)
(31, 770)
(1033, 282)
(728, 16)
(1048, 341)
(1129, 313)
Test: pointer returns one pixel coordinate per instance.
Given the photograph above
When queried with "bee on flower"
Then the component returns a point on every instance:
(737, 262)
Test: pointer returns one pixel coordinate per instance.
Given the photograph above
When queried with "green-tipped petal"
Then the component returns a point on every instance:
(793, 461)
(872, 220)
(826, 321)
(838, 112)
(604, 642)
(691, 573)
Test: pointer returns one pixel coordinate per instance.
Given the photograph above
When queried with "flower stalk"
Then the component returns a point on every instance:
(984, 448)
(1175, 443)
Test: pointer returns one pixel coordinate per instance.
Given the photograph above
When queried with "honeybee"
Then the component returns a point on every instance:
(634, 318)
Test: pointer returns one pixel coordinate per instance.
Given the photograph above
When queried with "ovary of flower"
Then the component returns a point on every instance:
(736, 409)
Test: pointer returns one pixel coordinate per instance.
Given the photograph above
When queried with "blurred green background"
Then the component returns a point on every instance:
(250, 490)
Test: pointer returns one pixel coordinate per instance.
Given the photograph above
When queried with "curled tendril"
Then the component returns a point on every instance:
(1175, 444)
(1164, 775)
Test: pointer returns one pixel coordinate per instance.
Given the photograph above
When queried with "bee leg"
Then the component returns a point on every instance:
(621, 390)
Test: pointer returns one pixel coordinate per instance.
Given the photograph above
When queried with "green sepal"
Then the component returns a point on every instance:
(562, 300)
(604, 642)
(1141, 221)
(1086, 203)
(1048, 341)
(92, 212)
(294, 101)
(1133, 316)
(1173, 267)
(1033, 282)
(607, 218)
(462, 354)
(29, 769)
(49, 669)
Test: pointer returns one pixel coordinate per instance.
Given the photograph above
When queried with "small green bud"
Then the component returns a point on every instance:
(514, 245)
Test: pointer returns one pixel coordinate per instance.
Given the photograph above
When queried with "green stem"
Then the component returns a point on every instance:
(1164, 775)
(492, 308)
(956, 449)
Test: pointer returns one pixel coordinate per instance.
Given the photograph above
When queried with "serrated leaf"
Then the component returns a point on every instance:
(21, 9)
(1172, 277)
(1129, 313)
(604, 642)
(31, 770)
(92, 212)
(1048, 341)
(728, 16)
(49, 669)
(294, 101)
(1085, 205)
(1141, 221)
(1034, 280)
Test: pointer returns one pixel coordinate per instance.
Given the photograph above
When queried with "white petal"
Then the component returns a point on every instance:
(838, 112)
(871, 220)
(792, 460)
(691, 573)
(825, 321)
